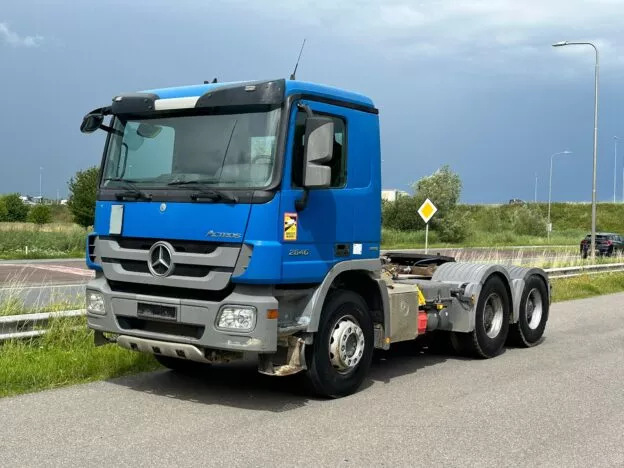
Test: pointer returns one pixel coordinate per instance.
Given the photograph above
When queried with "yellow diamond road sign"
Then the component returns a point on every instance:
(427, 210)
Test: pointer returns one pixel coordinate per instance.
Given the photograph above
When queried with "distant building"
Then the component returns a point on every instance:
(28, 200)
(393, 194)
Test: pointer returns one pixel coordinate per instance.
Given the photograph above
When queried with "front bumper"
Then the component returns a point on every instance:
(195, 323)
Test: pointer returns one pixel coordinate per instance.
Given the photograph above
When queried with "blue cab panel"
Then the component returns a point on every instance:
(338, 224)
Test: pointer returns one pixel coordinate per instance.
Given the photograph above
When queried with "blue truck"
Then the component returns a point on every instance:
(244, 219)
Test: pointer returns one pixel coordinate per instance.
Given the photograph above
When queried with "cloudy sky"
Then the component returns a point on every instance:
(475, 85)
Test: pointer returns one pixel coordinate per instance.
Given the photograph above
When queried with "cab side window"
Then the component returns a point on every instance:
(338, 163)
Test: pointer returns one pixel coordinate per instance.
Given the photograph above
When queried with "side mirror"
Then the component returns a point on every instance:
(91, 122)
(319, 147)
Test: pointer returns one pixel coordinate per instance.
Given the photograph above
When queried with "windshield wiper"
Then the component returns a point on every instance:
(132, 191)
(214, 195)
(209, 194)
(193, 182)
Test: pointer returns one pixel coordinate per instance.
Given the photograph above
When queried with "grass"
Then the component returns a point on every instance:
(64, 356)
(580, 287)
(28, 241)
(395, 239)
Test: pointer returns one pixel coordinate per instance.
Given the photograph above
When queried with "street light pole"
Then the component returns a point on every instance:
(550, 187)
(597, 67)
(615, 140)
(40, 177)
(535, 197)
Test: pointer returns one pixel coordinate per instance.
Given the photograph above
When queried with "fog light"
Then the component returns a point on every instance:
(95, 303)
(240, 318)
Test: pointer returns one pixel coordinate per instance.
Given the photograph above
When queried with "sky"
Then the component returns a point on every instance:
(475, 85)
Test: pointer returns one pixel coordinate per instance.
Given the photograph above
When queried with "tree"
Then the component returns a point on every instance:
(443, 188)
(82, 193)
(40, 214)
(16, 209)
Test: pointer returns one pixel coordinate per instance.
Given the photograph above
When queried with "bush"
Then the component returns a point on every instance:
(4, 212)
(40, 214)
(528, 221)
(452, 227)
(17, 211)
(82, 189)
(61, 214)
(402, 214)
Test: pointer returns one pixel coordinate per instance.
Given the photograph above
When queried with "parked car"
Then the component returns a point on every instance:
(517, 201)
(607, 243)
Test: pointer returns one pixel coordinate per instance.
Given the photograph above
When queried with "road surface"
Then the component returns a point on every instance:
(40, 282)
(559, 404)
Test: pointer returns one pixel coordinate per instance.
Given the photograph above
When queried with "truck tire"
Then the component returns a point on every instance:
(340, 356)
(534, 308)
(182, 366)
(491, 322)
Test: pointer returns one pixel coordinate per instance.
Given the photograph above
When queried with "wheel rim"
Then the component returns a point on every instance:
(346, 344)
(493, 315)
(534, 309)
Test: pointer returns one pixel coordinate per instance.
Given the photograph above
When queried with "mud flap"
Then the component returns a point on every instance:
(294, 361)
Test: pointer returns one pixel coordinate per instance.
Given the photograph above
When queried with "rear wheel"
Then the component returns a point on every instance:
(183, 366)
(534, 307)
(491, 322)
(341, 354)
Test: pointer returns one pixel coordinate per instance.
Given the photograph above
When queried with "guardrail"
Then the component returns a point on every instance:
(568, 272)
(32, 325)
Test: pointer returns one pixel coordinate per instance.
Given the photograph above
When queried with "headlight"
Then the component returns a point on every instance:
(241, 318)
(95, 303)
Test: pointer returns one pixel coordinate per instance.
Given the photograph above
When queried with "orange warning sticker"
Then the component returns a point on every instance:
(290, 226)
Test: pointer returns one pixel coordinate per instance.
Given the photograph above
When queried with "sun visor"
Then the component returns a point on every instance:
(269, 93)
(134, 103)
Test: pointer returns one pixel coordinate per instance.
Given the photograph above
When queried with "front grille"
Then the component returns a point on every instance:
(166, 328)
(197, 265)
(193, 271)
(196, 247)
(169, 292)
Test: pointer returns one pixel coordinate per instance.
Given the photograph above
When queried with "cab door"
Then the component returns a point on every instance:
(315, 238)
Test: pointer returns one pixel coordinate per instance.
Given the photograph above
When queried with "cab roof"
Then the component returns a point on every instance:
(292, 87)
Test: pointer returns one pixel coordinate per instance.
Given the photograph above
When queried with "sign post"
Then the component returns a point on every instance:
(426, 212)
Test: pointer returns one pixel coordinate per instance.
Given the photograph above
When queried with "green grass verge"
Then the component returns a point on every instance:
(22, 241)
(581, 287)
(64, 356)
(395, 239)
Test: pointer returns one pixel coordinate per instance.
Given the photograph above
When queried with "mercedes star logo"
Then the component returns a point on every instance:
(160, 262)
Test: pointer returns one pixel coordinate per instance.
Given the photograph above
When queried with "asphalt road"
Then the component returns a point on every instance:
(40, 282)
(25, 273)
(558, 404)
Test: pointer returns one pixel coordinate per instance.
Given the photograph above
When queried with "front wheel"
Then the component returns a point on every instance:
(491, 322)
(341, 354)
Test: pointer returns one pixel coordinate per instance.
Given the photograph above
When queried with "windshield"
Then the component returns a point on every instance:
(223, 150)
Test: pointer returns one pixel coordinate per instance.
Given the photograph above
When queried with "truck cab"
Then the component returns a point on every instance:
(245, 217)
